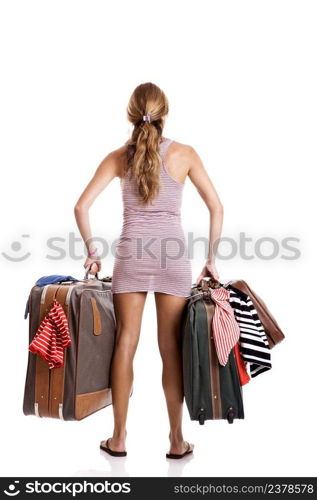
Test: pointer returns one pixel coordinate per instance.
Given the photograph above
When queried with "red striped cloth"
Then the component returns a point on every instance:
(225, 328)
(52, 336)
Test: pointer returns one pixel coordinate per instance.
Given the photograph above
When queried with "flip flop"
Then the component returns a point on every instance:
(112, 452)
(180, 455)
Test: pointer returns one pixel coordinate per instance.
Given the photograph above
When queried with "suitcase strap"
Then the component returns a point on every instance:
(42, 373)
(49, 384)
(58, 374)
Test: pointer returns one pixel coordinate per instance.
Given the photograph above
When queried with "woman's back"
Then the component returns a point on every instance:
(164, 211)
(152, 253)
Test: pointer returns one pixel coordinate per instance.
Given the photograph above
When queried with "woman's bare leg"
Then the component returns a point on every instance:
(169, 313)
(128, 310)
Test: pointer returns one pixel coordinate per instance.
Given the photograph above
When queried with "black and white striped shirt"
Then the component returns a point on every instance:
(253, 343)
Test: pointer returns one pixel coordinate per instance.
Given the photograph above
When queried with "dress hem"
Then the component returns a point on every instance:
(151, 291)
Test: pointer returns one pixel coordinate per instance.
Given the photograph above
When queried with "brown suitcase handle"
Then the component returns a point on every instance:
(208, 282)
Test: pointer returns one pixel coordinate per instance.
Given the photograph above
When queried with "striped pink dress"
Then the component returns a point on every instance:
(152, 254)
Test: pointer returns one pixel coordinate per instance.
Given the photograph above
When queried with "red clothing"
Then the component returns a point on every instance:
(225, 328)
(241, 366)
(52, 336)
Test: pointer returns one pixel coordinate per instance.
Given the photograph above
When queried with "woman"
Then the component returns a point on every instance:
(151, 254)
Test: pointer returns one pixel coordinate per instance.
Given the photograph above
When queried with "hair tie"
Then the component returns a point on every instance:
(147, 118)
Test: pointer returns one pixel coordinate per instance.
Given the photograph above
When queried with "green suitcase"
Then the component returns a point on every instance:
(211, 391)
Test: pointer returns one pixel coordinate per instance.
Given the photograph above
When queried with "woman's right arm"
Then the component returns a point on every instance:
(106, 171)
(201, 180)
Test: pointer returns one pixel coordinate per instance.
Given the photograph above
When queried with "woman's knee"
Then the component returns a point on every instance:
(169, 347)
(127, 340)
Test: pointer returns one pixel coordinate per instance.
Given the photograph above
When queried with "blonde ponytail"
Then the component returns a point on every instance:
(143, 158)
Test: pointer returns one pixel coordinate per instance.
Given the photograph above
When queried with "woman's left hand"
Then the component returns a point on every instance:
(209, 270)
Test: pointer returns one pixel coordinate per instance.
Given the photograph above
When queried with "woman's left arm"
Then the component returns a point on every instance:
(200, 178)
(105, 172)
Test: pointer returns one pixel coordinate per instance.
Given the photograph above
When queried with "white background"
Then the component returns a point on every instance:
(240, 77)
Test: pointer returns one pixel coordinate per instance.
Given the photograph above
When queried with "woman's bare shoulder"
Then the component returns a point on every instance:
(182, 154)
(182, 150)
(117, 158)
(181, 146)
(178, 160)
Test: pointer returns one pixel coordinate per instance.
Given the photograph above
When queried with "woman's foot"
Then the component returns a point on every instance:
(189, 449)
(181, 448)
(115, 443)
(104, 445)
(178, 446)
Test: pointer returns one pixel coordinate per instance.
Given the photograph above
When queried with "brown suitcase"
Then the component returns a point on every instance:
(81, 386)
(273, 332)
